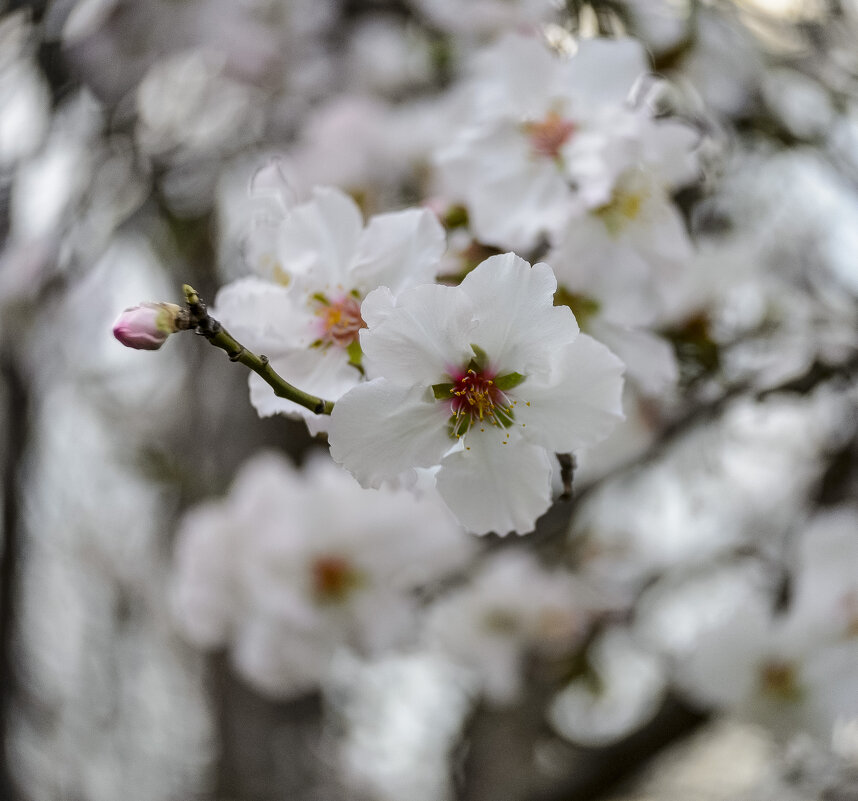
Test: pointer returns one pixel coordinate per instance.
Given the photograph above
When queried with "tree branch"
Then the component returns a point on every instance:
(198, 319)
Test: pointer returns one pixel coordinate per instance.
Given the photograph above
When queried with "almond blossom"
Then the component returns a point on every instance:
(284, 578)
(320, 263)
(483, 380)
(545, 131)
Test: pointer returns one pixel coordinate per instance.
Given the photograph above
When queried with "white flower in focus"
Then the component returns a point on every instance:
(486, 379)
(292, 567)
(491, 625)
(324, 261)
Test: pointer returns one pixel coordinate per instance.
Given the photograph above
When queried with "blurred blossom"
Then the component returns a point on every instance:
(480, 18)
(729, 649)
(120, 699)
(67, 201)
(401, 717)
(387, 57)
(801, 104)
(662, 24)
(623, 689)
(188, 103)
(726, 85)
(285, 578)
(491, 626)
(738, 481)
(24, 95)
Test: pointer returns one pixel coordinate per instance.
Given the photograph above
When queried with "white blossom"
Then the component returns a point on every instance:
(321, 263)
(491, 625)
(285, 578)
(486, 379)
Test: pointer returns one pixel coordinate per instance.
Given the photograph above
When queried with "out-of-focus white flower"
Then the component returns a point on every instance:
(402, 716)
(24, 95)
(742, 480)
(776, 671)
(285, 577)
(486, 379)
(492, 625)
(188, 103)
(385, 56)
(544, 131)
(800, 103)
(729, 649)
(626, 254)
(624, 691)
(486, 17)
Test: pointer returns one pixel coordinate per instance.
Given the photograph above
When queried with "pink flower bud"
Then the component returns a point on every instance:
(146, 326)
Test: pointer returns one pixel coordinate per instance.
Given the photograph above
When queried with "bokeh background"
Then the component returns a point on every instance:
(129, 134)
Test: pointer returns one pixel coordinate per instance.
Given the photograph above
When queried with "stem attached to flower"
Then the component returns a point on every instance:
(196, 318)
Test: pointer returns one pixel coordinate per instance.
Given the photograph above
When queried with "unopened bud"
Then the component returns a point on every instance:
(146, 326)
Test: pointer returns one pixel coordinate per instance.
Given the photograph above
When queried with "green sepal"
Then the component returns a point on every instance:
(480, 360)
(442, 391)
(508, 381)
(355, 354)
(584, 308)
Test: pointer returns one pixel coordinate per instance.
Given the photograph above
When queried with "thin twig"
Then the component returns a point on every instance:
(199, 320)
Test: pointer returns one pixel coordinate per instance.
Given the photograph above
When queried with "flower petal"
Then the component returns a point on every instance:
(603, 71)
(518, 325)
(379, 430)
(418, 336)
(581, 403)
(399, 250)
(319, 238)
(263, 316)
(492, 486)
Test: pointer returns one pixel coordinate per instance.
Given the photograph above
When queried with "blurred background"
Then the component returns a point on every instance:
(686, 627)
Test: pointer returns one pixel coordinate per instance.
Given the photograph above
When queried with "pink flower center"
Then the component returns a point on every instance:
(549, 135)
(333, 578)
(339, 320)
(477, 398)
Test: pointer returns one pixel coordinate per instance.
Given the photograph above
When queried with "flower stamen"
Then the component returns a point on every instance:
(340, 320)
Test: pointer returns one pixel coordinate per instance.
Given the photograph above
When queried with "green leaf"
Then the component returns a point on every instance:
(442, 391)
(509, 381)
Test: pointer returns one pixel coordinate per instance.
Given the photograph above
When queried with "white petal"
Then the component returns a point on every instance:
(419, 336)
(582, 403)
(399, 250)
(518, 325)
(262, 316)
(650, 359)
(630, 691)
(491, 486)
(325, 373)
(319, 238)
(603, 71)
(379, 430)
